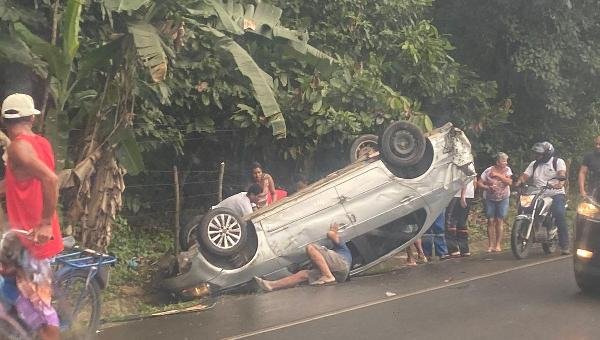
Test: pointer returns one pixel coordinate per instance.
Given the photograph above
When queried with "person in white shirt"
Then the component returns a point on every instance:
(241, 203)
(457, 234)
(545, 168)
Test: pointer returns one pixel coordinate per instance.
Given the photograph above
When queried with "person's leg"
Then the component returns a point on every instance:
(501, 212)
(452, 212)
(318, 260)
(490, 212)
(287, 282)
(558, 211)
(420, 253)
(49, 333)
(499, 230)
(410, 260)
(439, 238)
(462, 232)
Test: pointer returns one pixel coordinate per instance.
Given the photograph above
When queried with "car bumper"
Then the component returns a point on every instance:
(586, 259)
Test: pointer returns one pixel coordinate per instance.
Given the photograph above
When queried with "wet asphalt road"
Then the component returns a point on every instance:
(482, 297)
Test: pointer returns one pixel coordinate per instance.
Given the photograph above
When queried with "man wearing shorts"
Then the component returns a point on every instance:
(31, 188)
(331, 265)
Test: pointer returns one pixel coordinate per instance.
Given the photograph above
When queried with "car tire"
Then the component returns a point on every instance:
(586, 284)
(188, 235)
(222, 232)
(402, 144)
(362, 146)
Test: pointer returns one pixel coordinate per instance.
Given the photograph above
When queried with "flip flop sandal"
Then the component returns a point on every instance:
(323, 283)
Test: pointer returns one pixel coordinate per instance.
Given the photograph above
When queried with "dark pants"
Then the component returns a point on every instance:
(558, 211)
(457, 233)
(434, 237)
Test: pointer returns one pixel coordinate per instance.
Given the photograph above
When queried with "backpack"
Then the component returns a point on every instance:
(535, 165)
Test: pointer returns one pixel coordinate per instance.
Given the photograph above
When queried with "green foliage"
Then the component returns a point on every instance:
(542, 55)
(131, 247)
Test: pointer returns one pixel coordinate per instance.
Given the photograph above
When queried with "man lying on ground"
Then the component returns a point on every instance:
(332, 265)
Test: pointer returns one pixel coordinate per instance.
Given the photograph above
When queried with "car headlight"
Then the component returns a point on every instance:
(586, 254)
(526, 200)
(588, 210)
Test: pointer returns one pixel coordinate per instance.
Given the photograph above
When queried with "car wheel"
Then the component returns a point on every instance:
(222, 232)
(402, 144)
(586, 284)
(188, 234)
(362, 146)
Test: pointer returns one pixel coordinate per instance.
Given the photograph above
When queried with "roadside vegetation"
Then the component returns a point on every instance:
(130, 89)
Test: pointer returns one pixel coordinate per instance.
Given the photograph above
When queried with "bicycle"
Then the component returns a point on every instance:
(79, 277)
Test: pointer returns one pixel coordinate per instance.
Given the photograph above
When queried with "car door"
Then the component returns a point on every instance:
(374, 198)
(303, 221)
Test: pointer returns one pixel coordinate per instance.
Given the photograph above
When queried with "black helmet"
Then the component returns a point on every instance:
(545, 149)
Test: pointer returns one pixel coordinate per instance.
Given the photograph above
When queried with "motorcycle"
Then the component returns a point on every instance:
(534, 222)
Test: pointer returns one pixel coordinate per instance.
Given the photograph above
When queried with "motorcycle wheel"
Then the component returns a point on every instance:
(550, 246)
(518, 244)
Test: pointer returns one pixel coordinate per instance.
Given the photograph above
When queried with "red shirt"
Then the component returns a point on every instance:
(25, 201)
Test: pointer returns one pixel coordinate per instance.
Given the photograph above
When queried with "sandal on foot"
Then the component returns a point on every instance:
(323, 283)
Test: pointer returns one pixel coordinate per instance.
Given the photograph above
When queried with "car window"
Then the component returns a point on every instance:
(381, 241)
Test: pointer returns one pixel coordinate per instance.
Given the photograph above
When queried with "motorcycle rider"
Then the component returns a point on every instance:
(545, 167)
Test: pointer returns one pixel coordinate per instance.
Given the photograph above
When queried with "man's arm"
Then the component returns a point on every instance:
(522, 179)
(560, 184)
(332, 234)
(583, 171)
(24, 160)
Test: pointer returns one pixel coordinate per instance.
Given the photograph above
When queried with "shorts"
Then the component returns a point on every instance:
(336, 263)
(496, 209)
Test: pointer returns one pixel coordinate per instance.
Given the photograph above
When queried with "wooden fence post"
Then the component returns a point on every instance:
(177, 208)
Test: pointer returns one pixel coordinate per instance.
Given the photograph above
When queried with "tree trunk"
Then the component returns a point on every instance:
(98, 198)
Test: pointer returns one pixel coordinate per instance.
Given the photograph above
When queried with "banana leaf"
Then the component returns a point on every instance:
(70, 33)
(149, 48)
(13, 11)
(123, 5)
(226, 21)
(56, 59)
(14, 50)
(262, 87)
(128, 151)
(98, 58)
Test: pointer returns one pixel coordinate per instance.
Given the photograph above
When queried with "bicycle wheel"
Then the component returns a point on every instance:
(77, 304)
(11, 330)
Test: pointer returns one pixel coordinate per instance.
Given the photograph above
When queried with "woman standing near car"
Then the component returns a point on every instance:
(496, 181)
(266, 182)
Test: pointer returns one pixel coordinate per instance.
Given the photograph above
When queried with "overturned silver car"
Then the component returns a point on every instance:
(383, 201)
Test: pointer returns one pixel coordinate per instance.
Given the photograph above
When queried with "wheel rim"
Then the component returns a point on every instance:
(365, 148)
(403, 143)
(224, 231)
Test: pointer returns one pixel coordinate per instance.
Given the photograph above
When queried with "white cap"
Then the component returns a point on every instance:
(21, 103)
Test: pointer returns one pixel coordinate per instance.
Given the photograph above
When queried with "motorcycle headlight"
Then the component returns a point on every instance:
(526, 200)
(588, 210)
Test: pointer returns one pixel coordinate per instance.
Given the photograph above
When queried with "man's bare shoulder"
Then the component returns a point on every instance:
(20, 151)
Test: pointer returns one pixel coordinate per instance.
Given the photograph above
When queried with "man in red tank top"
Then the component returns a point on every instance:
(31, 188)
